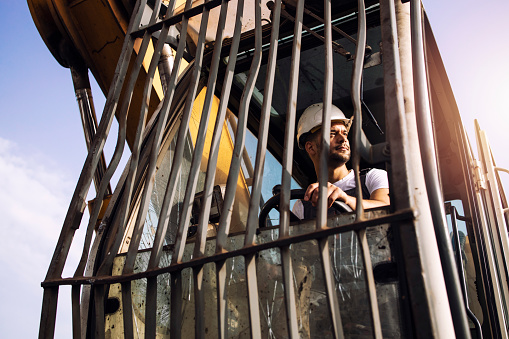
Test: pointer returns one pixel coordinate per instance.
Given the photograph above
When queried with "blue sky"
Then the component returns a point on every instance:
(42, 148)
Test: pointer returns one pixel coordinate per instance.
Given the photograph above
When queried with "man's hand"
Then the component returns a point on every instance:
(333, 193)
(379, 197)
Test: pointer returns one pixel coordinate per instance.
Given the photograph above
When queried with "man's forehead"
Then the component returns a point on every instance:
(338, 125)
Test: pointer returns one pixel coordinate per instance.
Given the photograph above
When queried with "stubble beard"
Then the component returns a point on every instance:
(338, 159)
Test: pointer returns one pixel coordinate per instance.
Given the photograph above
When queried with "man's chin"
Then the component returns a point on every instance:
(338, 159)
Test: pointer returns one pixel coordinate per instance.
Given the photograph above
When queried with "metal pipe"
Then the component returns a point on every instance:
(429, 162)
(165, 66)
(85, 102)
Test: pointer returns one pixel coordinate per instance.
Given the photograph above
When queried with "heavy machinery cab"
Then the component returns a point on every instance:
(207, 96)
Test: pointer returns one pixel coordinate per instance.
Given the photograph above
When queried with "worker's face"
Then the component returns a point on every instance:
(339, 152)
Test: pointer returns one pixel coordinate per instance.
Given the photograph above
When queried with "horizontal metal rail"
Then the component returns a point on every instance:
(394, 219)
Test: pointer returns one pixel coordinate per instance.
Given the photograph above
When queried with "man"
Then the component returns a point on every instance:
(341, 180)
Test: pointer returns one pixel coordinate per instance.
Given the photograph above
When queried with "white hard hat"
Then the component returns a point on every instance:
(312, 118)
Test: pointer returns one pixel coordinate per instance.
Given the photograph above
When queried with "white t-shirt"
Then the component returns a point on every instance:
(375, 179)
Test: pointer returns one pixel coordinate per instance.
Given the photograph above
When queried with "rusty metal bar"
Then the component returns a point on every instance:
(49, 312)
(76, 315)
(99, 295)
(256, 195)
(396, 217)
(250, 261)
(284, 221)
(321, 220)
(357, 103)
(370, 284)
(169, 88)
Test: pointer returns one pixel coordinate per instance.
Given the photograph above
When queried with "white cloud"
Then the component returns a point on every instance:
(34, 197)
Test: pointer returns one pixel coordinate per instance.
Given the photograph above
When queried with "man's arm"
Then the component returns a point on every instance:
(379, 197)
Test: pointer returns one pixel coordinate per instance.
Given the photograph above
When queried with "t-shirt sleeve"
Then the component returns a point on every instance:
(298, 209)
(376, 179)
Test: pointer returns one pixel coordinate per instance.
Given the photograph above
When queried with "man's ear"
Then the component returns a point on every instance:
(310, 147)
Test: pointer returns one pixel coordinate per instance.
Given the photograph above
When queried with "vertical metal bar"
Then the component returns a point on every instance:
(222, 317)
(323, 176)
(284, 220)
(76, 314)
(370, 284)
(150, 308)
(485, 284)
(491, 252)
(99, 294)
(94, 254)
(357, 103)
(176, 304)
(429, 162)
(256, 193)
(48, 313)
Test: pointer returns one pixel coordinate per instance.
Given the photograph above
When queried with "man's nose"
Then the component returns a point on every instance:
(340, 137)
